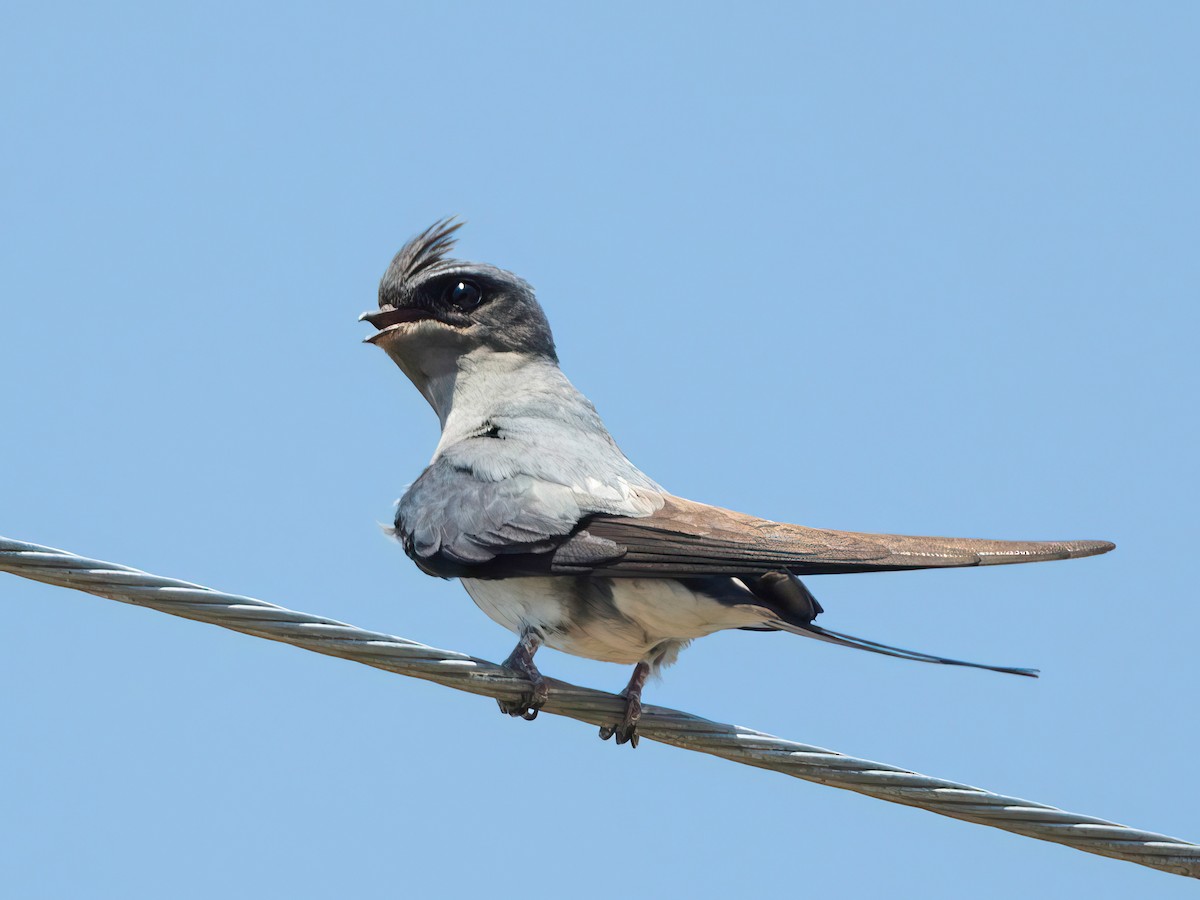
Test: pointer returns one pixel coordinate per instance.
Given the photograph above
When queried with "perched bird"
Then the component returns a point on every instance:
(561, 539)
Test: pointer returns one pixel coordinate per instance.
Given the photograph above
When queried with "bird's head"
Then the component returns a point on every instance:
(433, 310)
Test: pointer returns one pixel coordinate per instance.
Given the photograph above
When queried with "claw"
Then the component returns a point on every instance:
(521, 662)
(625, 731)
(527, 705)
(524, 708)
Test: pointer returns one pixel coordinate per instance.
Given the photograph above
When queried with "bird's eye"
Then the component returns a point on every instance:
(464, 294)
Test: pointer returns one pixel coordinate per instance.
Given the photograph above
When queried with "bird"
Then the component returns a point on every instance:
(558, 537)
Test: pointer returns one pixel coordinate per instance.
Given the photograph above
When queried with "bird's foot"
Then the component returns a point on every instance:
(527, 705)
(625, 731)
(520, 661)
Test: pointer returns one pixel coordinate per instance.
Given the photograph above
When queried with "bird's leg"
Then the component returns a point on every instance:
(521, 662)
(626, 729)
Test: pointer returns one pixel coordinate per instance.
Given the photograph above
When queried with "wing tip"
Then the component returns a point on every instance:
(1005, 552)
(1079, 549)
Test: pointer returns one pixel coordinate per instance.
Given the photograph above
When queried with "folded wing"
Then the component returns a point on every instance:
(685, 538)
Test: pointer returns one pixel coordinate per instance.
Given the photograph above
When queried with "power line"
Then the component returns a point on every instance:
(668, 726)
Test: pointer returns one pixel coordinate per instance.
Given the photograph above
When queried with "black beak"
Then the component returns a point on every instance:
(388, 316)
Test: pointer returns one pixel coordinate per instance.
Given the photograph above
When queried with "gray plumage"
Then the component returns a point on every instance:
(557, 535)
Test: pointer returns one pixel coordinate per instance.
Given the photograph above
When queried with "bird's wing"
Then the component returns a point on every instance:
(684, 538)
(451, 518)
(455, 522)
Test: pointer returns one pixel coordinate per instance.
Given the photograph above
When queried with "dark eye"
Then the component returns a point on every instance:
(464, 294)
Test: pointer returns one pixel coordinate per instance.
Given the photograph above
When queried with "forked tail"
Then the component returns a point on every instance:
(846, 640)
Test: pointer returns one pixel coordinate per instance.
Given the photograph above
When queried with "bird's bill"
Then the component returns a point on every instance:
(390, 320)
(389, 315)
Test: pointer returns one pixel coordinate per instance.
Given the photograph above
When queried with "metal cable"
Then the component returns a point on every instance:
(668, 726)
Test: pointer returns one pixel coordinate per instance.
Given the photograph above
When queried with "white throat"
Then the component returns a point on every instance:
(464, 381)
(485, 382)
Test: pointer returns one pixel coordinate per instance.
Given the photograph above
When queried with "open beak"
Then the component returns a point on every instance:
(385, 318)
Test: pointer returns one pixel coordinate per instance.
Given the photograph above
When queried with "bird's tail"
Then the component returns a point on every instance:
(846, 640)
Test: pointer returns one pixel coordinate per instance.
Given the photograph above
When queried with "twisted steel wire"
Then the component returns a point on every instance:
(668, 726)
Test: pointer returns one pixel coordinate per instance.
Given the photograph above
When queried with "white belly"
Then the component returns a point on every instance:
(622, 620)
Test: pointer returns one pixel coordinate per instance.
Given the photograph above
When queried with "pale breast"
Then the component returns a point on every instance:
(621, 620)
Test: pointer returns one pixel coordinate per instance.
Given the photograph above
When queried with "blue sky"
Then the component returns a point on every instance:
(924, 268)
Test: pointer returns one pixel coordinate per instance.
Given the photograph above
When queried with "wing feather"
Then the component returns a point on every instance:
(454, 523)
(687, 538)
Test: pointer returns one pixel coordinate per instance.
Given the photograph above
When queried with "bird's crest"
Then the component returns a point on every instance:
(426, 250)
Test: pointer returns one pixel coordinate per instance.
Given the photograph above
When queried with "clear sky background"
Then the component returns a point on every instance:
(911, 267)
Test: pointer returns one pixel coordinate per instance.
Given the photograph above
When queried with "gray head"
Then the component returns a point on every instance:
(432, 307)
